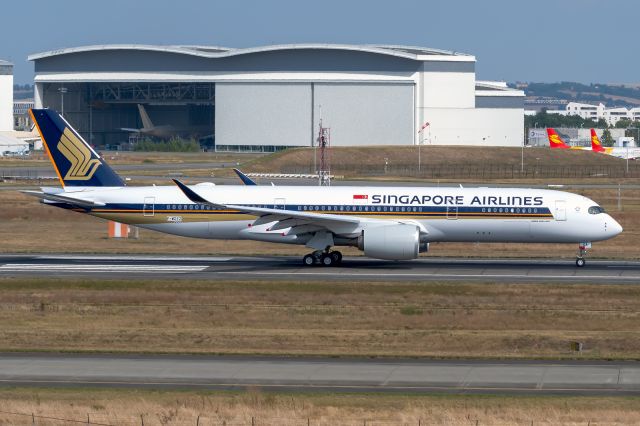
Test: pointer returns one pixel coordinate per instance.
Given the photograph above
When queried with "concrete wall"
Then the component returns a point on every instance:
(269, 114)
(484, 126)
(365, 114)
(448, 89)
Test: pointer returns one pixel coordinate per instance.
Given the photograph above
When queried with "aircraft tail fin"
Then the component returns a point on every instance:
(596, 145)
(555, 141)
(74, 161)
(146, 121)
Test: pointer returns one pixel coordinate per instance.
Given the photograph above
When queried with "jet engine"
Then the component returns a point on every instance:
(392, 242)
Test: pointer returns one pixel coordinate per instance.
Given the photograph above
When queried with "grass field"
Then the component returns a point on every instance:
(28, 226)
(321, 318)
(130, 157)
(253, 407)
(445, 162)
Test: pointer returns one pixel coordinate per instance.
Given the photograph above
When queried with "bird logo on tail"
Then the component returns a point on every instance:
(596, 145)
(82, 165)
(555, 141)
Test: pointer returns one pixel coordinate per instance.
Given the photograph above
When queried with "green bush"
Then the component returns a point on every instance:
(411, 310)
(171, 145)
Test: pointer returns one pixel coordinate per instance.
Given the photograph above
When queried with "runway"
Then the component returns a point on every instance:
(291, 268)
(335, 375)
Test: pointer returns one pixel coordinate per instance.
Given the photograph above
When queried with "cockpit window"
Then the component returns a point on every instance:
(596, 210)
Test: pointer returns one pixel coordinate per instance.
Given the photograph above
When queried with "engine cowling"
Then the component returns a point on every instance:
(392, 242)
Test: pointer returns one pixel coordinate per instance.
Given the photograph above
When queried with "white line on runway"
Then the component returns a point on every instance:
(143, 258)
(21, 267)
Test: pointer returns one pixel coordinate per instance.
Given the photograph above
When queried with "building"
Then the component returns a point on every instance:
(600, 111)
(271, 97)
(6, 96)
(21, 117)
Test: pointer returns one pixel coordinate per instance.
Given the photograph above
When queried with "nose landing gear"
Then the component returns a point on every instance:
(324, 258)
(582, 252)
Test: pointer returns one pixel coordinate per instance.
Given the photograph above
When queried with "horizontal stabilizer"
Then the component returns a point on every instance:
(63, 199)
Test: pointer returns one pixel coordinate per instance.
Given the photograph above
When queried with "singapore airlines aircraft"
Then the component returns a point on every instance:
(386, 223)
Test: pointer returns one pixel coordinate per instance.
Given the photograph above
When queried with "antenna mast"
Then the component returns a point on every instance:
(324, 141)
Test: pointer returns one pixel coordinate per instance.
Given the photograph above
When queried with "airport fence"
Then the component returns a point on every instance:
(20, 173)
(171, 418)
(488, 171)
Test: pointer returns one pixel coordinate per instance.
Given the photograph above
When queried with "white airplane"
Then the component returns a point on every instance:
(556, 142)
(386, 223)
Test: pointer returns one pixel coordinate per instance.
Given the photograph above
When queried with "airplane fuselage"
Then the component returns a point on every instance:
(442, 214)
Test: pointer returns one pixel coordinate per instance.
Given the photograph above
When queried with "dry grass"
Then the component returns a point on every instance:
(127, 157)
(28, 226)
(353, 160)
(312, 318)
(127, 407)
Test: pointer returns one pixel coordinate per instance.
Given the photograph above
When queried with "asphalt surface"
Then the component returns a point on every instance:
(291, 268)
(335, 375)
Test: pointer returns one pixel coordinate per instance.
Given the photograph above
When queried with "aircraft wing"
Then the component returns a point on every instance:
(297, 222)
(126, 129)
(63, 199)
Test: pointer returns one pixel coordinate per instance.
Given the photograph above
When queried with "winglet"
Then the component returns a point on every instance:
(555, 141)
(191, 194)
(244, 178)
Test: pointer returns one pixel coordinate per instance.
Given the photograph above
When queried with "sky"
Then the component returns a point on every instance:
(586, 41)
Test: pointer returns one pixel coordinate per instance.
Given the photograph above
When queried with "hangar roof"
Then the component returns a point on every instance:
(407, 52)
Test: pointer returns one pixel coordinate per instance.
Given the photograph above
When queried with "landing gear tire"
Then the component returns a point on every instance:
(327, 259)
(582, 252)
(309, 260)
(337, 257)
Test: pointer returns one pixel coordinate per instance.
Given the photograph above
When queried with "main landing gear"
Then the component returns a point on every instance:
(324, 258)
(582, 252)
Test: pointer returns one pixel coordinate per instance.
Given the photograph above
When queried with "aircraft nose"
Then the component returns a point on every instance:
(614, 227)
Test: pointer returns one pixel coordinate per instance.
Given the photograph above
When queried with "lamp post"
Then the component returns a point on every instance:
(62, 91)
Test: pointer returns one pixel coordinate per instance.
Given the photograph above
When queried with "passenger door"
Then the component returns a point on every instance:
(452, 212)
(148, 208)
(279, 203)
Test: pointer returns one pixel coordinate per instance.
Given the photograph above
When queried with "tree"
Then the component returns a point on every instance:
(623, 123)
(607, 139)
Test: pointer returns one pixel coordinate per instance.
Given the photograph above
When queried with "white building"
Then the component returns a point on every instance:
(6, 96)
(21, 117)
(596, 112)
(272, 97)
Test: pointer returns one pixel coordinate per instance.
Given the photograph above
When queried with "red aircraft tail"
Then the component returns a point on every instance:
(596, 145)
(555, 141)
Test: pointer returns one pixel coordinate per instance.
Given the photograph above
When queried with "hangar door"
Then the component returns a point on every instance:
(262, 115)
(365, 113)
